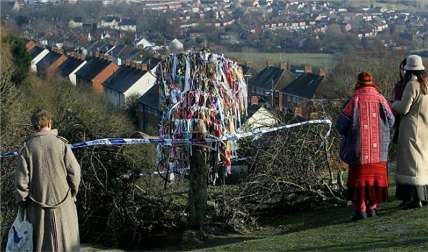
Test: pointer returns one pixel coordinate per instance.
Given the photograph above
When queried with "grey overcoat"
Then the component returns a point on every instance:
(47, 178)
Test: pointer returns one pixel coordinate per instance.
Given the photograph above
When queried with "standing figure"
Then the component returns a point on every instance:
(398, 93)
(47, 180)
(365, 123)
(412, 173)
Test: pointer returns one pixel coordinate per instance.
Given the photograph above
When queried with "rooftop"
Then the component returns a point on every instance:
(128, 21)
(115, 51)
(48, 60)
(124, 78)
(305, 85)
(36, 51)
(266, 78)
(92, 68)
(69, 65)
(151, 62)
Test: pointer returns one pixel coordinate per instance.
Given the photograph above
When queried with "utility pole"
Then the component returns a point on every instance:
(272, 93)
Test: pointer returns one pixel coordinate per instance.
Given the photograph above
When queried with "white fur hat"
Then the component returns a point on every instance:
(414, 63)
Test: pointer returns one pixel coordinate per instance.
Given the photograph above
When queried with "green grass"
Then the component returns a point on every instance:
(330, 229)
(260, 58)
(89, 248)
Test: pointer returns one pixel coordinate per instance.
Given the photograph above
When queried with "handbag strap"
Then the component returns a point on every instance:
(20, 210)
(44, 205)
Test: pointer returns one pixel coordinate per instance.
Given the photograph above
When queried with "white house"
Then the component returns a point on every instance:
(176, 46)
(127, 24)
(37, 54)
(72, 75)
(75, 23)
(110, 22)
(260, 119)
(128, 81)
(19, 4)
(143, 43)
(107, 2)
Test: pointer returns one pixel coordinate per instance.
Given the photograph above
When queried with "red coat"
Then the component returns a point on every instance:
(366, 118)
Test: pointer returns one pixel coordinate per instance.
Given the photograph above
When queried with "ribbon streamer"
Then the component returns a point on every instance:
(136, 141)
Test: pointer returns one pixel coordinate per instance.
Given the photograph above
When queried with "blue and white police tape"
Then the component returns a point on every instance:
(135, 141)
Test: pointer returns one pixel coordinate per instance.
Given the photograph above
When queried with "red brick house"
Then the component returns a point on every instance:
(48, 66)
(94, 73)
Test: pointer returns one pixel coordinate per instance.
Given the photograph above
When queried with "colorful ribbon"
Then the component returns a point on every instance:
(135, 141)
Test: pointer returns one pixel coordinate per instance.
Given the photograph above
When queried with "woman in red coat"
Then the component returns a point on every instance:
(365, 123)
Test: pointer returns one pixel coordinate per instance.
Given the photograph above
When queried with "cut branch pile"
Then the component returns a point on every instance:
(290, 169)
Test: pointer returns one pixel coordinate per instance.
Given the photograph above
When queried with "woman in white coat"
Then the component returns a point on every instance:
(412, 173)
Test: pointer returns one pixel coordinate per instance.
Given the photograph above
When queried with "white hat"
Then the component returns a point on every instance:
(414, 63)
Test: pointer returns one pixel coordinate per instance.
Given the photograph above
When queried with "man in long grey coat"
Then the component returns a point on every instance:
(47, 181)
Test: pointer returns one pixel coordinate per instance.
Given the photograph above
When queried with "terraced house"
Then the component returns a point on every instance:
(129, 81)
(37, 53)
(69, 68)
(47, 67)
(94, 73)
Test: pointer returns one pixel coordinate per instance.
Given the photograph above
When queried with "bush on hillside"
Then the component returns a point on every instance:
(22, 59)
(384, 66)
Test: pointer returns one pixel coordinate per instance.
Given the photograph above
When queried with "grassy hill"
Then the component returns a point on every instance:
(331, 230)
(394, 229)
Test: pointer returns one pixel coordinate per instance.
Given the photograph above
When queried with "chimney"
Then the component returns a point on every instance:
(254, 100)
(30, 44)
(144, 67)
(322, 72)
(75, 55)
(57, 50)
(284, 66)
(281, 101)
(308, 68)
(79, 56)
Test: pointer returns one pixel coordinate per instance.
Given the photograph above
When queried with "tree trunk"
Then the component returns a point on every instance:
(198, 194)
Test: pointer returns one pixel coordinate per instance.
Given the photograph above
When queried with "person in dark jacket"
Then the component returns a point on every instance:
(398, 93)
(365, 123)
